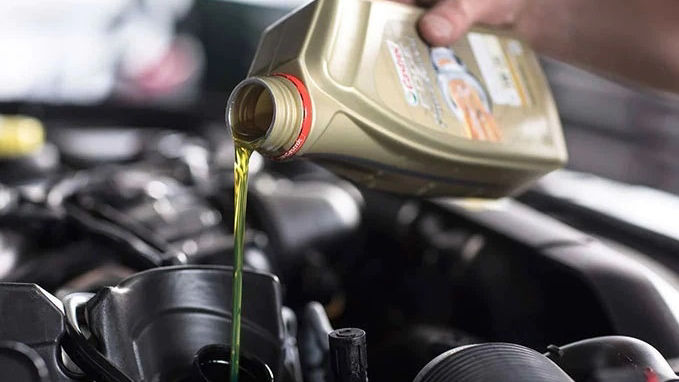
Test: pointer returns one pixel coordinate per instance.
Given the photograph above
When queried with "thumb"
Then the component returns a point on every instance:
(448, 20)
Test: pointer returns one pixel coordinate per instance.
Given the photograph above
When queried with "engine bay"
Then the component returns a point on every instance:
(117, 243)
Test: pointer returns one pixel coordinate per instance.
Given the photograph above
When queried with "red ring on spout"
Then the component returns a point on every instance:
(306, 117)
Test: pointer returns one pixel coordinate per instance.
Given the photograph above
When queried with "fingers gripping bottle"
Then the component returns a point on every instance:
(350, 84)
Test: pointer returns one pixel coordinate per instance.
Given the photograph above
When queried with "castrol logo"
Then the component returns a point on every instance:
(405, 78)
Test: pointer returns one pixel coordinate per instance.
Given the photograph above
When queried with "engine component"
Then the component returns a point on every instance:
(22, 362)
(119, 329)
(24, 155)
(314, 343)
(492, 362)
(348, 355)
(32, 324)
(602, 359)
(412, 347)
(162, 220)
(212, 363)
(577, 265)
(305, 213)
(422, 278)
(611, 358)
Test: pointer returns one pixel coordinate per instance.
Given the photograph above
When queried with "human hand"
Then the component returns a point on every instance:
(448, 20)
(636, 41)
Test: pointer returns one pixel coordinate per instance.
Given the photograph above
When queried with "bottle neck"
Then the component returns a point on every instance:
(266, 114)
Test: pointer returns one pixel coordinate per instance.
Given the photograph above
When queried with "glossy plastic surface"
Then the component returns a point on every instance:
(151, 325)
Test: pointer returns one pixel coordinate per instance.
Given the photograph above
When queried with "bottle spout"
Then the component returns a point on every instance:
(266, 114)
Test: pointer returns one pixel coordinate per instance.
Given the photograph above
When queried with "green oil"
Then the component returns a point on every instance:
(240, 178)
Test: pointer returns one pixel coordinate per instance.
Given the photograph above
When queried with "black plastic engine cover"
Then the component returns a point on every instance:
(152, 324)
(32, 324)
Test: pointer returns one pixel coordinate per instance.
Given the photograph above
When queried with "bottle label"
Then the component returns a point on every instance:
(495, 68)
(414, 78)
(462, 89)
(464, 95)
(403, 71)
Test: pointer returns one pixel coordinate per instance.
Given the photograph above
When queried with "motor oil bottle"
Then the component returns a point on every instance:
(350, 84)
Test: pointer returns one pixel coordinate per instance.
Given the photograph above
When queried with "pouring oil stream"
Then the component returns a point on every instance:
(240, 176)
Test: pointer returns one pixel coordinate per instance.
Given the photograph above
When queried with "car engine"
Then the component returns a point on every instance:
(115, 266)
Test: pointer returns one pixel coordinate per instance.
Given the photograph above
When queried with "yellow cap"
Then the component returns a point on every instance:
(20, 135)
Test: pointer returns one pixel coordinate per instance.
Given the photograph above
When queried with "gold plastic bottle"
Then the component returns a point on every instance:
(350, 84)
